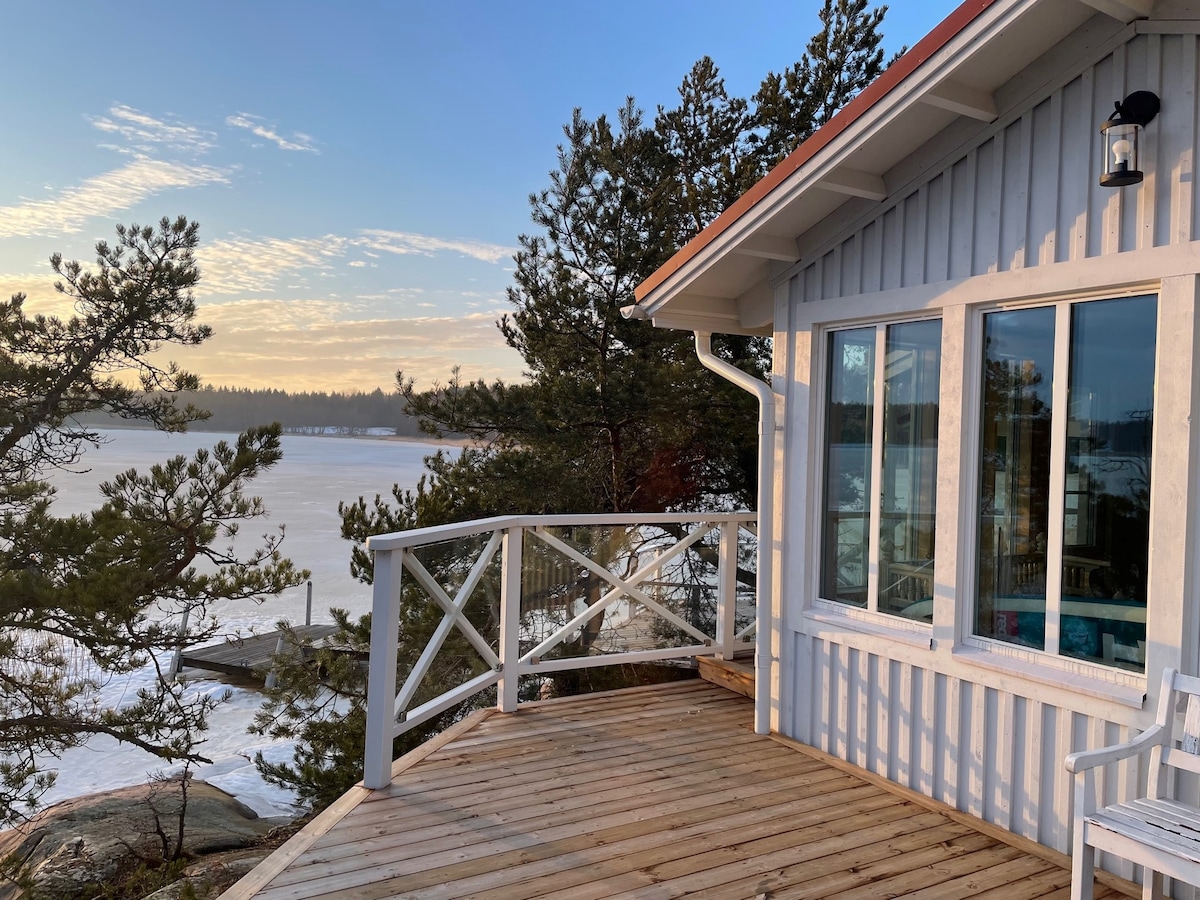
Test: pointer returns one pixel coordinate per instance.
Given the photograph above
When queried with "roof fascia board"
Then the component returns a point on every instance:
(808, 170)
(954, 143)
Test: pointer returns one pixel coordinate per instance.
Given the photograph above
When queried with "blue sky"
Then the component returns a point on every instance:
(360, 170)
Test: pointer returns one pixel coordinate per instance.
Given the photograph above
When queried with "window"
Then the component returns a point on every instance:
(1063, 513)
(881, 416)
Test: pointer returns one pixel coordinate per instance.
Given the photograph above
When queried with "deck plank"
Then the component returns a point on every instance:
(655, 793)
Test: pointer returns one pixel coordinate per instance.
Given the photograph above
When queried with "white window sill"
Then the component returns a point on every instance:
(1124, 688)
(1044, 679)
(833, 624)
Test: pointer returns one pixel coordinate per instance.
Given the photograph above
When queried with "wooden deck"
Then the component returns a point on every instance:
(656, 792)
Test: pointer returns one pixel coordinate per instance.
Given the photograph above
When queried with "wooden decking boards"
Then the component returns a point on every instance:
(246, 656)
(655, 792)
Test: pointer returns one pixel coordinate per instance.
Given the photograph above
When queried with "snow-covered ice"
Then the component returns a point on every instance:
(303, 491)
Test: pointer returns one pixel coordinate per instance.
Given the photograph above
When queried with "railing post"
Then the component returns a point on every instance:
(177, 656)
(727, 559)
(510, 619)
(381, 679)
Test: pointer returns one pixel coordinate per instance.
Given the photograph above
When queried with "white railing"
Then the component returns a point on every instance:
(543, 595)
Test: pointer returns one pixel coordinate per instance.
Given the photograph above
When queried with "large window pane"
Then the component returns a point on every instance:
(1106, 515)
(1018, 365)
(910, 416)
(847, 488)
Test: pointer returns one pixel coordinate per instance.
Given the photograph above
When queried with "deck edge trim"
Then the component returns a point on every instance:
(264, 873)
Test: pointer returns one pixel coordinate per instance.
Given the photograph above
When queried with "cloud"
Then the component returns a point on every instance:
(319, 345)
(405, 243)
(102, 196)
(144, 133)
(251, 123)
(254, 266)
(39, 292)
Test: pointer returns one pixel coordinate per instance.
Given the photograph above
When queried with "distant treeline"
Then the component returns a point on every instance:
(235, 409)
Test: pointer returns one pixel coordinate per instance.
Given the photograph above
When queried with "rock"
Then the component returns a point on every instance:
(71, 848)
(210, 877)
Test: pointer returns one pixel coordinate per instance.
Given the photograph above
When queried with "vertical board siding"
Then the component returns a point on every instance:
(1029, 195)
(991, 753)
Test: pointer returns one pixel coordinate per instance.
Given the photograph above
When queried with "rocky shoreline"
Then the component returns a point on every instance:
(124, 844)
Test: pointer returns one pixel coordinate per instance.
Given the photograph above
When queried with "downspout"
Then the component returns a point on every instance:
(764, 645)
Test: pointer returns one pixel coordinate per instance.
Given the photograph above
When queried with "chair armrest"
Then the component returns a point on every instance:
(1090, 759)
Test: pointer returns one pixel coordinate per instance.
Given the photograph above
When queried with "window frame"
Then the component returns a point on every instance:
(822, 360)
(1173, 631)
(979, 647)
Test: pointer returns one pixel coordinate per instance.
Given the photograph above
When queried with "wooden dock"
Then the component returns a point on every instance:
(248, 656)
(655, 792)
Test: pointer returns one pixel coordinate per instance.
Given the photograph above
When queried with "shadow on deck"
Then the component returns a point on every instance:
(655, 792)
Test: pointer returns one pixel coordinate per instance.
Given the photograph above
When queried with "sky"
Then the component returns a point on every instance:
(360, 170)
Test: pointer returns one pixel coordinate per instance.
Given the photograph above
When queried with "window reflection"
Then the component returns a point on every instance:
(1106, 518)
(910, 416)
(1100, 601)
(892, 372)
(1018, 363)
(848, 465)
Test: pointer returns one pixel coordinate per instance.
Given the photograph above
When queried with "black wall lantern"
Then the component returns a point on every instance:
(1119, 138)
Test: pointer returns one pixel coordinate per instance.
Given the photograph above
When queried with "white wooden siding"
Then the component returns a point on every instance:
(1026, 197)
(989, 752)
(1028, 194)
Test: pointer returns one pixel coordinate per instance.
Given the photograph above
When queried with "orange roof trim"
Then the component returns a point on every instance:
(870, 95)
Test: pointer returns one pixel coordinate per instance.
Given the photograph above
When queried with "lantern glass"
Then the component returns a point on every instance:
(1120, 146)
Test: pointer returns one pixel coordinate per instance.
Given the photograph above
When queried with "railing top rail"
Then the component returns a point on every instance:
(418, 536)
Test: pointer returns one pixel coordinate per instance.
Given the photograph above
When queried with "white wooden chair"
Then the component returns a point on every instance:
(1159, 834)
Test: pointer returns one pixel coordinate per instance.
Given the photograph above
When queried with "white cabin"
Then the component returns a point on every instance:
(977, 525)
(983, 506)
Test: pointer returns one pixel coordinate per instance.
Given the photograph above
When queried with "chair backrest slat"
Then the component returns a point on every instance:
(1189, 741)
(1180, 759)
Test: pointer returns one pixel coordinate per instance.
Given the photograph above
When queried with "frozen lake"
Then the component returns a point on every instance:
(302, 491)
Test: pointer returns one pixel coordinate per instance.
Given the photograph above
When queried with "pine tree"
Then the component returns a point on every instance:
(841, 59)
(83, 598)
(620, 416)
(613, 415)
(711, 155)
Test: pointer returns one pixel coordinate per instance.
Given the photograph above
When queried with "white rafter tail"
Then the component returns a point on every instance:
(781, 249)
(963, 100)
(435, 590)
(1123, 10)
(844, 180)
(435, 707)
